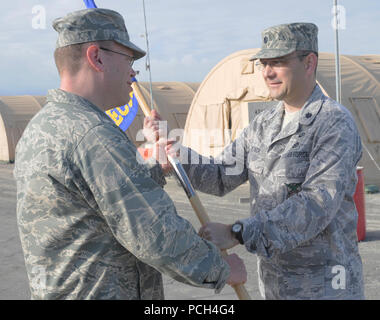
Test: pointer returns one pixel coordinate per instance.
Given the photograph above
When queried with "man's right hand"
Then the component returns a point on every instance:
(159, 153)
(153, 127)
(238, 273)
(219, 234)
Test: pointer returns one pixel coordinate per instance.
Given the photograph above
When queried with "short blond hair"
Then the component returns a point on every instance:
(70, 58)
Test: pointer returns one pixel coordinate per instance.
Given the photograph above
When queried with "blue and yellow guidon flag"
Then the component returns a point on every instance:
(90, 3)
(123, 116)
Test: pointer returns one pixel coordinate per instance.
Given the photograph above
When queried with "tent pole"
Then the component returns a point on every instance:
(337, 61)
(147, 64)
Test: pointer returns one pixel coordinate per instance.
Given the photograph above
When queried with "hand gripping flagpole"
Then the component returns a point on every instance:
(186, 184)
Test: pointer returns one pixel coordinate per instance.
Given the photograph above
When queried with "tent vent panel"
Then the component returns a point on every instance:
(369, 115)
(181, 119)
(247, 67)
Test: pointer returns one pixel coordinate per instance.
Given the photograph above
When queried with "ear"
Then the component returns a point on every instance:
(94, 58)
(310, 63)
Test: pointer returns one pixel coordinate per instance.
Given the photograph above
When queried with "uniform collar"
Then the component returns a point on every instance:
(312, 106)
(62, 96)
(309, 110)
(306, 117)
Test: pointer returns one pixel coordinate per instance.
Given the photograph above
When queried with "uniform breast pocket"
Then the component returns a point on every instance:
(295, 164)
(292, 176)
(297, 170)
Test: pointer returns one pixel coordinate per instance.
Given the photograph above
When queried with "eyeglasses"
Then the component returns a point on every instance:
(276, 63)
(131, 59)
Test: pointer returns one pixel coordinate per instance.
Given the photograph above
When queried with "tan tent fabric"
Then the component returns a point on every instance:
(172, 100)
(233, 90)
(15, 113)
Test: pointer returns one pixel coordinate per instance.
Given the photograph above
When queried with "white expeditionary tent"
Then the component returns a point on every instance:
(233, 92)
(171, 99)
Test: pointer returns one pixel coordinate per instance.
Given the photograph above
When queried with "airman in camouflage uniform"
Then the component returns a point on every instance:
(302, 180)
(94, 222)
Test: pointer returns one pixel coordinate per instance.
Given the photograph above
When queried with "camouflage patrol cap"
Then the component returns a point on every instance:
(281, 40)
(94, 25)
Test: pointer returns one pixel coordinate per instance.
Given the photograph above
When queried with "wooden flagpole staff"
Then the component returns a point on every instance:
(185, 181)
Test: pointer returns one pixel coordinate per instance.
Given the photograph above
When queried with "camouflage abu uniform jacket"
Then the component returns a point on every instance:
(92, 221)
(302, 181)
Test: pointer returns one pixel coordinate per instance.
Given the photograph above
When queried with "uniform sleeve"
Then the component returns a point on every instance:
(140, 214)
(219, 175)
(154, 168)
(307, 213)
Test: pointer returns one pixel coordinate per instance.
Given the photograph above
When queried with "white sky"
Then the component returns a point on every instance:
(187, 38)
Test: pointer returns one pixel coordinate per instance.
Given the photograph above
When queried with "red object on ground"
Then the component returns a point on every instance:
(359, 199)
(146, 153)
